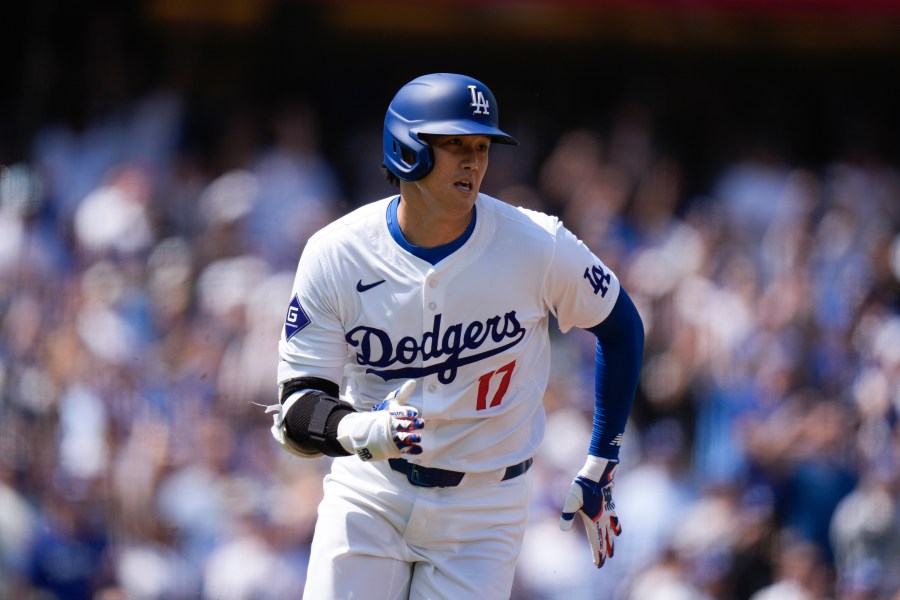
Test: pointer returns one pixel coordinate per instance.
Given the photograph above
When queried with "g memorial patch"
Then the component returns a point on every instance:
(295, 320)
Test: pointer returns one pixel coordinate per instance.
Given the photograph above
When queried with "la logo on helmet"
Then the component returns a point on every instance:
(480, 105)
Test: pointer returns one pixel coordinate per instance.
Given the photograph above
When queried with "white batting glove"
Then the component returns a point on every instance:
(590, 497)
(387, 432)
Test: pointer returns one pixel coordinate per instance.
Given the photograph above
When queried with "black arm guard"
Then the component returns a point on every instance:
(312, 421)
(309, 383)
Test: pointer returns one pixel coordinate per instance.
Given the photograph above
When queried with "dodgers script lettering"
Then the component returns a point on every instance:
(378, 351)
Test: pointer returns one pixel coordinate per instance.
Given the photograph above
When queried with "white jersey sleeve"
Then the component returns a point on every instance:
(313, 309)
(580, 290)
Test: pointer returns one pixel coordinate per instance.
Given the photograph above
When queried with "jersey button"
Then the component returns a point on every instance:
(432, 305)
(432, 283)
(431, 387)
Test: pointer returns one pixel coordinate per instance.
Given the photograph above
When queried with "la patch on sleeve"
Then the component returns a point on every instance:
(295, 320)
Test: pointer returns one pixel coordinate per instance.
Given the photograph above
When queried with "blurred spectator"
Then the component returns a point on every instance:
(150, 566)
(668, 578)
(865, 531)
(752, 190)
(654, 494)
(800, 573)
(18, 523)
(67, 557)
(298, 191)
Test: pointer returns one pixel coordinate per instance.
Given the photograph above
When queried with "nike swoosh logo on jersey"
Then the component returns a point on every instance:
(360, 287)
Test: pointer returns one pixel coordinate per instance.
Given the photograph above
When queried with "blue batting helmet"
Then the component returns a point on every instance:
(439, 103)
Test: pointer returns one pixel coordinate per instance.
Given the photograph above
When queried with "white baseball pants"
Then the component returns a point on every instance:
(380, 538)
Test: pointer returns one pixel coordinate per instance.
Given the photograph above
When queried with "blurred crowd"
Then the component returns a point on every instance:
(143, 289)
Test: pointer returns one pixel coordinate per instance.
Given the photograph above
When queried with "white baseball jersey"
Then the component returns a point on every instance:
(472, 329)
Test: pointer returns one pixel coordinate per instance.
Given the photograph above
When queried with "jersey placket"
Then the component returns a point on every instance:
(433, 297)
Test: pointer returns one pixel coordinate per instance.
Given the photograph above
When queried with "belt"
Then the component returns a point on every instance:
(430, 477)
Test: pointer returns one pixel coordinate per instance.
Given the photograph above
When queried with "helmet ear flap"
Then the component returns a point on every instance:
(409, 160)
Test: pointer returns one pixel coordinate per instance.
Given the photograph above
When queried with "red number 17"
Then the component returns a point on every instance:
(484, 384)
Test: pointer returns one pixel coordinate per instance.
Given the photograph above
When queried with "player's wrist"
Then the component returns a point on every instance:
(597, 468)
(368, 435)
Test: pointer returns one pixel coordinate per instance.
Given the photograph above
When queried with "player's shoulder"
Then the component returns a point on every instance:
(518, 216)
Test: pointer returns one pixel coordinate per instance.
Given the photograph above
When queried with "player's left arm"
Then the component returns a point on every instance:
(618, 356)
(617, 366)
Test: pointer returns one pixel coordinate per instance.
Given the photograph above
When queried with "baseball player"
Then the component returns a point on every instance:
(416, 352)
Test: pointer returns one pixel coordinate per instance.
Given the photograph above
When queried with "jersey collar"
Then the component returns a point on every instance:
(429, 255)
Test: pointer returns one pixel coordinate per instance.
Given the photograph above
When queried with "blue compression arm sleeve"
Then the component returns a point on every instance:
(617, 366)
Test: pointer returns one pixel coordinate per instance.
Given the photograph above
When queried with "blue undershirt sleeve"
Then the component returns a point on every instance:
(617, 366)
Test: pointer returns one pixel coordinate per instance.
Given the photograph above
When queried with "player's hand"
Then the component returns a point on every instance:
(404, 419)
(389, 431)
(590, 497)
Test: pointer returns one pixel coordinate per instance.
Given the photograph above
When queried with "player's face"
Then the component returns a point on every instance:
(460, 162)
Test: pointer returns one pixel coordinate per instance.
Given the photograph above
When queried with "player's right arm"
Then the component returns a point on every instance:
(311, 422)
(311, 419)
(307, 417)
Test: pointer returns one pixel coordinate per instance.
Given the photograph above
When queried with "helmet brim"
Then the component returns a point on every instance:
(465, 127)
